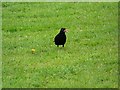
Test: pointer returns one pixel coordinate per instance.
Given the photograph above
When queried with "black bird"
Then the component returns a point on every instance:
(60, 38)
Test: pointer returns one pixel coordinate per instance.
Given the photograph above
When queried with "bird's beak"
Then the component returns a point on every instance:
(65, 30)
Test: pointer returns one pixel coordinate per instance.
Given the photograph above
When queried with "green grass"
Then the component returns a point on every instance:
(88, 60)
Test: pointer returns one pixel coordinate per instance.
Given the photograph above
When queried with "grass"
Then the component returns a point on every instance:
(0, 45)
(88, 60)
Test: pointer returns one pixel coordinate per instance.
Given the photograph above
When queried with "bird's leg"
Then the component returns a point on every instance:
(63, 45)
(57, 45)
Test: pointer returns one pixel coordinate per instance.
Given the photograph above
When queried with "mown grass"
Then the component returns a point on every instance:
(88, 60)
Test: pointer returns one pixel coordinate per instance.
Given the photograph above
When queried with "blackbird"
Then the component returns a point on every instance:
(60, 38)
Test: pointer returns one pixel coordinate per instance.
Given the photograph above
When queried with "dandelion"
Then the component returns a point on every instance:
(33, 50)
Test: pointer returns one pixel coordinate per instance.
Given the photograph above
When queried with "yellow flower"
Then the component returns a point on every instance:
(33, 50)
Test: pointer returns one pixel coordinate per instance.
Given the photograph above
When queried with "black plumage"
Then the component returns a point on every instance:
(60, 38)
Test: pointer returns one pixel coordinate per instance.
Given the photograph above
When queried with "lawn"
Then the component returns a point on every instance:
(88, 60)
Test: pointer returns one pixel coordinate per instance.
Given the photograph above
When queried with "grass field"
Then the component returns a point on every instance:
(88, 60)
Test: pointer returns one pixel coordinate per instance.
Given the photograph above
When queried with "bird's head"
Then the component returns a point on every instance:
(63, 30)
